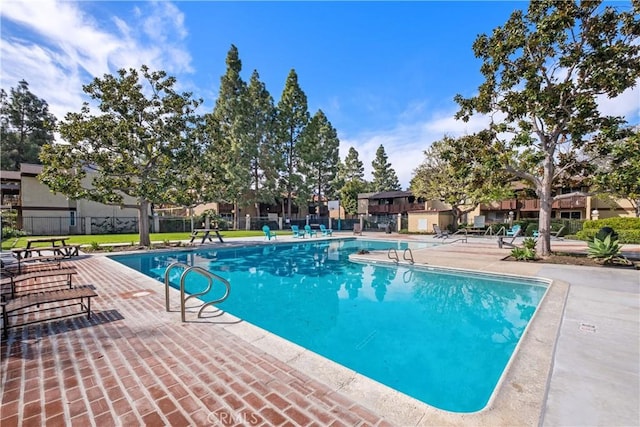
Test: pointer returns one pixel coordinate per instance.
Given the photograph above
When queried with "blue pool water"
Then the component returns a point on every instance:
(439, 337)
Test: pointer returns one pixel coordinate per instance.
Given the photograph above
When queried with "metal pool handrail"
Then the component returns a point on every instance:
(404, 255)
(187, 269)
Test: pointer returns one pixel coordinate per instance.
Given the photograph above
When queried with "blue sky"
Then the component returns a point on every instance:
(383, 72)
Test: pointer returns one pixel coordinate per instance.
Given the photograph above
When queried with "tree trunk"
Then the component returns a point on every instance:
(546, 200)
(235, 214)
(143, 222)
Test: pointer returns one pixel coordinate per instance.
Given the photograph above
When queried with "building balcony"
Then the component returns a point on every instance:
(395, 208)
(573, 202)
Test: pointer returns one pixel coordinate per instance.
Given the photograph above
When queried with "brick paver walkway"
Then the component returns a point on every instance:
(133, 363)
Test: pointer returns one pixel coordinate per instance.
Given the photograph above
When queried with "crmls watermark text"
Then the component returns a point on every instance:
(227, 418)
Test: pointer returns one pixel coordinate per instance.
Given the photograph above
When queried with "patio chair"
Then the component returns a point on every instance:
(554, 234)
(268, 234)
(296, 231)
(309, 231)
(439, 233)
(357, 229)
(514, 230)
(502, 241)
(326, 231)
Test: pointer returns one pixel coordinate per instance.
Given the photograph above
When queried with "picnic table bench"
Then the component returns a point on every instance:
(206, 234)
(58, 246)
(12, 307)
(57, 277)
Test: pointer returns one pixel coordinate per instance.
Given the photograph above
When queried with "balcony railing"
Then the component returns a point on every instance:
(395, 209)
(573, 202)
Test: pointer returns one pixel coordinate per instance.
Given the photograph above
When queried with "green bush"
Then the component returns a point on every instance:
(523, 254)
(624, 236)
(615, 223)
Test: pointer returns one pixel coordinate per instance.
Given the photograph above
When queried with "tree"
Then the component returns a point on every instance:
(353, 166)
(264, 157)
(293, 116)
(319, 151)
(384, 177)
(456, 179)
(543, 71)
(351, 181)
(142, 146)
(618, 173)
(228, 129)
(25, 126)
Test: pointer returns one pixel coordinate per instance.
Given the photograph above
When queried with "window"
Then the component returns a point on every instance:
(570, 215)
(72, 218)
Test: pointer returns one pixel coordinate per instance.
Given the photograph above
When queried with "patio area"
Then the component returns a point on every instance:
(134, 363)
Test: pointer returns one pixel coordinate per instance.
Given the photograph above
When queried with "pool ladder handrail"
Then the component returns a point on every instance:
(396, 258)
(183, 300)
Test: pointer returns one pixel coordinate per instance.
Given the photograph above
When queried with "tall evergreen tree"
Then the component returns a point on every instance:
(227, 129)
(353, 166)
(293, 116)
(384, 177)
(351, 178)
(25, 126)
(263, 151)
(319, 151)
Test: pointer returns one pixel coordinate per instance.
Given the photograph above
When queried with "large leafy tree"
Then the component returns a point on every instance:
(227, 127)
(319, 150)
(142, 143)
(293, 117)
(544, 70)
(384, 176)
(618, 171)
(25, 126)
(262, 147)
(450, 174)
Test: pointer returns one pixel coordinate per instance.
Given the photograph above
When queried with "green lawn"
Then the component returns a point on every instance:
(88, 239)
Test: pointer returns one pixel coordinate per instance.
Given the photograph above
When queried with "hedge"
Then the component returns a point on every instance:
(615, 223)
(628, 229)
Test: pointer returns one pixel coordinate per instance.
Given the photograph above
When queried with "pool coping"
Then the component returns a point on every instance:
(518, 398)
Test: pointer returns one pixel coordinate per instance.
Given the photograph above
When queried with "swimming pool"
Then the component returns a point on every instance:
(440, 337)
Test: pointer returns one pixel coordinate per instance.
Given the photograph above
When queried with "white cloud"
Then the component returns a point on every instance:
(57, 47)
(405, 144)
(627, 104)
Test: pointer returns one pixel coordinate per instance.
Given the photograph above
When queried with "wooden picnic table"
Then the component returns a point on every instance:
(206, 234)
(58, 246)
(51, 240)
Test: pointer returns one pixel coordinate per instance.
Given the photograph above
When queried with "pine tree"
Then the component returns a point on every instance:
(352, 182)
(353, 166)
(384, 177)
(319, 151)
(293, 117)
(25, 126)
(227, 128)
(263, 149)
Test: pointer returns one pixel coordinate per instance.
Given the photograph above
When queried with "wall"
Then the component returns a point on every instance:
(416, 220)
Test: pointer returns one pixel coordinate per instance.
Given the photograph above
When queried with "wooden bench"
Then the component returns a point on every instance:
(12, 307)
(35, 263)
(15, 280)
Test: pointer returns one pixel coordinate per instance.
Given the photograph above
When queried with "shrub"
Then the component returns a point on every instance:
(624, 236)
(527, 252)
(606, 250)
(523, 254)
(95, 246)
(615, 223)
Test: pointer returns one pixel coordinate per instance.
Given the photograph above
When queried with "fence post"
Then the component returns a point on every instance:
(247, 225)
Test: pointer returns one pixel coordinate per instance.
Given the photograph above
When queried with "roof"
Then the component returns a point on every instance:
(30, 169)
(10, 175)
(391, 194)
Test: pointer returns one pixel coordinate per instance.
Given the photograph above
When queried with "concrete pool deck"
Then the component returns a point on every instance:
(134, 363)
